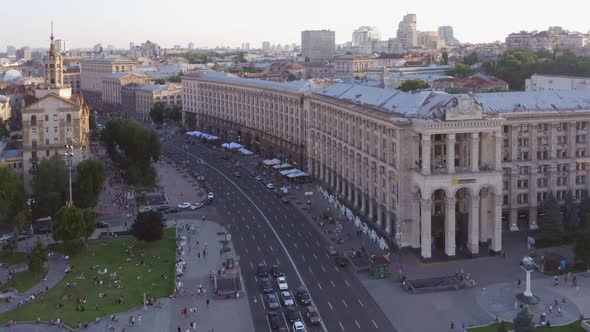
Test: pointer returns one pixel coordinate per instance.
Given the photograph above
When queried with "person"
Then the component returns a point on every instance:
(452, 326)
(519, 283)
(139, 319)
(208, 301)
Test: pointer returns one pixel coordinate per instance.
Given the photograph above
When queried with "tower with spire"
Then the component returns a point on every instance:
(53, 73)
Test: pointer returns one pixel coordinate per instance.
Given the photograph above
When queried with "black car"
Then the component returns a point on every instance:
(292, 315)
(276, 272)
(102, 224)
(266, 285)
(274, 320)
(262, 270)
(207, 201)
(341, 261)
(173, 210)
(303, 295)
(253, 174)
(163, 208)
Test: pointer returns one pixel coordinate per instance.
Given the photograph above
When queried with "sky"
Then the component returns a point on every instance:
(231, 22)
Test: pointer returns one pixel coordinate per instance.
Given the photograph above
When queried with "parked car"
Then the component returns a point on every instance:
(207, 201)
(258, 178)
(303, 295)
(276, 272)
(266, 285)
(261, 270)
(282, 283)
(270, 185)
(292, 315)
(341, 261)
(163, 208)
(287, 298)
(332, 251)
(238, 164)
(197, 206)
(272, 301)
(285, 199)
(274, 320)
(210, 195)
(312, 315)
(145, 209)
(23, 235)
(201, 178)
(173, 210)
(298, 327)
(102, 224)
(237, 174)
(184, 205)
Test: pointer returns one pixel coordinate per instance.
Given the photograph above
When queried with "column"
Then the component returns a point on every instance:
(533, 218)
(357, 198)
(343, 186)
(426, 233)
(380, 215)
(426, 154)
(338, 184)
(498, 152)
(363, 203)
(473, 227)
(497, 224)
(388, 222)
(483, 218)
(450, 221)
(371, 203)
(474, 152)
(415, 239)
(451, 153)
(513, 218)
(349, 191)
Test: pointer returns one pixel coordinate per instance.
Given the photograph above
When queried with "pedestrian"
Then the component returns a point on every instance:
(452, 326)
(139, 320)
(208, 301)
(519, 283)
(130, 320)
(550, 309)
(556, 280)
(199, 255)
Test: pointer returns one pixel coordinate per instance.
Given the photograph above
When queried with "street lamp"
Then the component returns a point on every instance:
(69, 156)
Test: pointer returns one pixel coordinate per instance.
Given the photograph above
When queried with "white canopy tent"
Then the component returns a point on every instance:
(202, 135)
(232, 145)
(290, 171)
(297, 175)
(246, 151)
(271, 162)
(281, 166)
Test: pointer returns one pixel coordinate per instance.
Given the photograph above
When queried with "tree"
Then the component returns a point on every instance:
(92, 120)
(502, 327)
(584, 212)
(4, 130)
(461, 71)
(551, 225)
(37, 259)
(148, 226)
(12, 194)
(413, 85)
(68, 225)
(444, 58)
(174, 113)
(307, 59)
(157, 112)
(471, 59)
(160, 81)
(89, 182)
(582, 248)
(523, 322)
(89, 223)
(50, 185)
(190, 120)
(291, 77)
(570, 207)
(216, 66)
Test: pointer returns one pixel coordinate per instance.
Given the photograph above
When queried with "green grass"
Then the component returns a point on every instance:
(573, 327)
(15, 258)
(109, 254)
(22, 281)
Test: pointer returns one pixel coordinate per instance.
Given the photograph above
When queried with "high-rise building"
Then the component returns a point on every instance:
(430, 40)
(406, 32)
(191, 45)
(318, 45)
(11, 51)
(98, 48)
(131, 46)
(365, 35)
(62, 46)
(265, 45)
(245, 46)
(446, 33)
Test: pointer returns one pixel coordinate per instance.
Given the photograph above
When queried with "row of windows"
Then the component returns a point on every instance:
(560, 195)
(544, 127)
(34, 118)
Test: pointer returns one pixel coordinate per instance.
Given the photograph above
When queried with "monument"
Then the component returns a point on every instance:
(528, 265)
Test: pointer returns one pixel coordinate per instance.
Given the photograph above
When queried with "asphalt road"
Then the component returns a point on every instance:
(266, 230)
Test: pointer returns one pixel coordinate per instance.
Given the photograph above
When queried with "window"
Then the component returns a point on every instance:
(542, 141)
(542, 127)
(580, 193)
(561, 153)
(580, 152)
(522, 142)
(522, 198)
(581, 125)
(34, 144)
(561, 194)
(46, 117)
(562, 180)
(561, 140)
(523, 170)
(581, 166)
(54, 117)
(55, 140)
(523, 156)
(69, 118)
(580, 179)
(505, 199)
(541, 196)
(47, 153)
(523, 129)
(55, 129)
(562, 167)
(523, 184)
(542, 155)
(47, 141)
(543, 169)
(33, 120)
(34, 130)
(542, 182)
(46, 130)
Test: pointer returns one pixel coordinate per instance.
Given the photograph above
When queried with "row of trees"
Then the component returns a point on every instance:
(160, 113)
(133, 148)
(72, 225)
(575, 217)
(12, 198)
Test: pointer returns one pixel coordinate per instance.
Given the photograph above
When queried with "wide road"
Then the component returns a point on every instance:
(266, 230)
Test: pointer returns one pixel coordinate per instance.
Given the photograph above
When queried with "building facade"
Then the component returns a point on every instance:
(350, 67)
(557, 83)
(111, 88)
(318, 45)
(407, 35)
(441, 173)
(5, 109)
(446, 33)
(92, 72)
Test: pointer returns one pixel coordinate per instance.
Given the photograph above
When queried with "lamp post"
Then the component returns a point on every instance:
(69, 156)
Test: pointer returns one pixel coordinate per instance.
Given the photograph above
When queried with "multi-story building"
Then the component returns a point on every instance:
(446, 33)
(148, 49)
(557, 83)
(111, 88)
(318, 70)
(407, 35)
(5, 109)
(573, 40)
(266, 46)
(62, 46)
(350, 67)
(56, 119)
(138, 99)
(475, 83)
(72, 77)
(11, 51)
(318, 45)
(363, 38)
(551, 39)
(92, 72)
(430, 40)
(433, 171)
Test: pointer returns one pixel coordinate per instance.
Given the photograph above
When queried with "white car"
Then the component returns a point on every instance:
(299, 327)
(287, 298)
(145, 209)
(270, 186)
(184, 205)
(282, 282)
(196, 206)
(210, 195)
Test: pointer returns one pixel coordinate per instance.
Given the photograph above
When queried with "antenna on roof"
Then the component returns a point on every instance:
(51, 29)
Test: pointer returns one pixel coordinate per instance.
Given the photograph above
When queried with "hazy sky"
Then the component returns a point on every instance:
(231, 22)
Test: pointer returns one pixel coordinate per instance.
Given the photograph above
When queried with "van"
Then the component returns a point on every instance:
(312, 315)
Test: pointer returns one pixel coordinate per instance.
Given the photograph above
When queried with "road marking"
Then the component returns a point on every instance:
(252, 265)
(357, 324)
(270, 246)
(342, 327)
(345, 304)
(361, 303)
(264, 235)
(246, 248)
(327, 254)
(303, 258)
(299, 234)
(333, 285)
(295, 245)
(330, 305)
(323, 269)
(376, 326)
(307, 245)
(308, 232)
(309, 268)
(262, 301)
(320, 286)
(335, 267)
(258, 249)
(347, 284)
(314, 256)
(253, 238)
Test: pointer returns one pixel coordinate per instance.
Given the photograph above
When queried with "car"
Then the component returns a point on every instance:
(207, 201)
(102, 224)
(270, 185)
(201, 178)
(197, 206)
(272, 301)
(274, 320)
(210, 195)
(276, 272)
(332, 251)
(23, 235)
(173, 210)
(225, 157)
(262, 270)
(312, 315)
(341, 261)
(299, 327)
(99, 213)
(285, 199)
(162, 208)
(184, 205)
(282, 283)
(237, 174)
(238, 164)
(292, 315)
(6, 237)
(145, 209)
(253, 174)
(266, 285)
(287, 298)
(303, 295)
(258, 178)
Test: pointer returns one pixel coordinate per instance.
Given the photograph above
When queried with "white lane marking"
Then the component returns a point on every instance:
(303, 258)
(336, 269)
(314, 256)
(262, 301)
(264, 235)
(299, 234)
(361, 303)
(308, 232)
(376, 326)
(243, 219)
(269, 225)
(357, 324)
(246, 250)
(330, 304)
(295, 244)
(270, 246)
(345, 304)
(333, 284)
(323, 269)
(342, 327)
(253, 238)
(252, 265)
(309, 268)
(307, 245)
(347, 284)
(327, 254)
(258, 249)
(318, 243)
(320, 286)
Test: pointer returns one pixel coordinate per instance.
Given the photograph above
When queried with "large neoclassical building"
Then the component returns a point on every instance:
(441, 173)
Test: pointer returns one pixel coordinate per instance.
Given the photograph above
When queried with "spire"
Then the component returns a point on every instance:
(52, 45)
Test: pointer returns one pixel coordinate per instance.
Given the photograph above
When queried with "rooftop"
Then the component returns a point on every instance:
(294, 86)
(107, 59)
(10, 154)
(156, 87)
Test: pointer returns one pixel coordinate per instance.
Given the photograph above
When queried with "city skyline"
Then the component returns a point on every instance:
(210, 24)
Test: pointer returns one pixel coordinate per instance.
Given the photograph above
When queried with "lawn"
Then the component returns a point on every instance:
(573, 327)
(15, 258)
(131, 281)
(22, 281)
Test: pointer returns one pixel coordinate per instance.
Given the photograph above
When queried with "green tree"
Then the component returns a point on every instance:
(291, 77)
(190, 120)
(570, 208)
(174, 114)
(523, 322)
(502, 327)
(21, 219)
(160, 81)
(584, 212)
(37, 259)
(92, 120)
(157, 112)
(582, 248)
(68, 225)
(471, 59)
(444, 58)
(50, 185)
(148, 226)
(12, 194)
(4, 129)
(216, 66)
(89, 182)
(461, 71)
(307, 59)
(413, 85)
(551, 225)
(89, 223)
